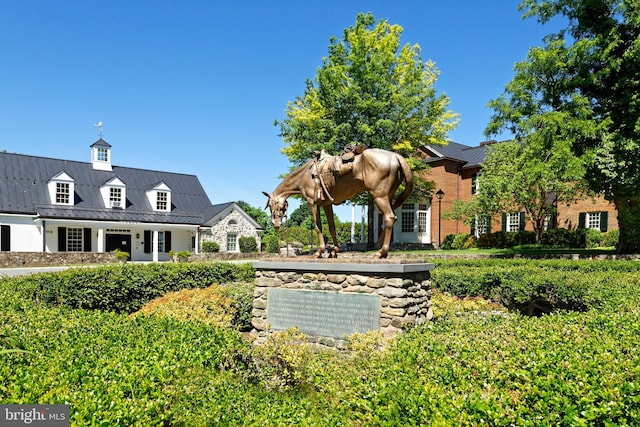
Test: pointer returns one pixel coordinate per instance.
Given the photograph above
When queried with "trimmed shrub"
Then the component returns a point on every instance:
(470, 243)
(210, 246)
(248, 244)
(241, 295)
(210, 306)
(486, 241)
(534, 287)
(593, 238)
(448, 241)
(459, 240)
(271, 244)
(126, 288)
(610, 238)
(503, 239)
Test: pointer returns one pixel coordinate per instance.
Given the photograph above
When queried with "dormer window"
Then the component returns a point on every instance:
(62, 193)
(61, 189)
(161, 201)
(159, 197)
(115, 197)
(114, 193)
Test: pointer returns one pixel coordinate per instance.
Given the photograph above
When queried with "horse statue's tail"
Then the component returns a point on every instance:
(408, 182)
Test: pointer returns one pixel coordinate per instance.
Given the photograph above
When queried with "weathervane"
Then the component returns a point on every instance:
(99, 125)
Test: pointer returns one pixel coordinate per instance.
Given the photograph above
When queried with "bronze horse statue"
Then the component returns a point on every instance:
(330, 180)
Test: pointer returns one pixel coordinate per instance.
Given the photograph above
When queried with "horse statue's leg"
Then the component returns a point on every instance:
(315, 212)
(328, 211)
(389, 217)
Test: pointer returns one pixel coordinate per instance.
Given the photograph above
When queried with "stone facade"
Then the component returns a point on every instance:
(404, 290)
(37, 259)
(229, 229)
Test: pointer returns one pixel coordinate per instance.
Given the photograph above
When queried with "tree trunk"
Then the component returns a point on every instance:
(629, 224)
(538, 227)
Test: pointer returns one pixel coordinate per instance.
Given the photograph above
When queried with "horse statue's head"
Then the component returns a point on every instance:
(278, 206)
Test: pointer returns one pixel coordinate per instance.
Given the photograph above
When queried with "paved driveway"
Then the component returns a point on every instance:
(23, 271)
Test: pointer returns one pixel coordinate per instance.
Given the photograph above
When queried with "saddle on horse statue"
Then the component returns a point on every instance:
(326, 167)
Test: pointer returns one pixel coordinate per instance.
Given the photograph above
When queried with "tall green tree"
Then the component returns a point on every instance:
(532, 175)
(587, 71)
(369, 90)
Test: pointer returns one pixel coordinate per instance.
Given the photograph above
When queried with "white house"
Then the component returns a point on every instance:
(53, 205)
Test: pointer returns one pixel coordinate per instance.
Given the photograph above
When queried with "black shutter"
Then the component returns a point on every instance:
(523, 221)
(5, 238)
(604, 221)
(87, 240)
(582, 220)
(504, 222)
(167, 241)
(62, 239)
(147, 241)
(489, 221)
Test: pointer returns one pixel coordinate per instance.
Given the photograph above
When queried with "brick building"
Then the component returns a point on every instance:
(455, 169)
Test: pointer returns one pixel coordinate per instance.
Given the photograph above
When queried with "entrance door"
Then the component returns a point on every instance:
(118, 241)
(423, 222)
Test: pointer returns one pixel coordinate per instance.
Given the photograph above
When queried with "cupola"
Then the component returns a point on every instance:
(101, 155)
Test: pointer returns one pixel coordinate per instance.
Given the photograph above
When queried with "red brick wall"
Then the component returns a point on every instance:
(456, 184)
(568, 213)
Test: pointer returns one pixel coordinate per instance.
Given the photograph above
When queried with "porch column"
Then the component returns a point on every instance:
(101, 239)
(196, 245)
(44, 236)
(155, 245)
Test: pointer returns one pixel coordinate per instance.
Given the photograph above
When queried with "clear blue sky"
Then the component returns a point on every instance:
(195, 86)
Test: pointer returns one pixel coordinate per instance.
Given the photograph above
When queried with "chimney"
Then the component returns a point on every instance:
(489, 142)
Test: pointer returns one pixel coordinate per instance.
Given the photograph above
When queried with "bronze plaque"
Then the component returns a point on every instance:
(322, 313)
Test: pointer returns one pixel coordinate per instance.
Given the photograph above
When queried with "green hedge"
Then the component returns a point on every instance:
(540, 286)
(565, 368)
(126, 288)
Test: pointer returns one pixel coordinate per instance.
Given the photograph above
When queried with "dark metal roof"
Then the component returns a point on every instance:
(101, 143)
(468, 156)
(23, 189)
(214, 210)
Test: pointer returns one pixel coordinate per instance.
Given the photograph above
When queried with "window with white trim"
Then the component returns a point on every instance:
(513, 221)
(232, 242)
(161, 241)
(102, 154)
(75, 239)
(162, 201)
(593, 220)
(481, 225)
(115, 197)
(408, 220)
(475, 183)
(63, 190)
(159, 197)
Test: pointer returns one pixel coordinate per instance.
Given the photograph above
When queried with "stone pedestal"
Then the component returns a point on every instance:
(329, 299)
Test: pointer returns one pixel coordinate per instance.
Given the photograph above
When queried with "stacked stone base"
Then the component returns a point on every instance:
(38, 259)
(404, 290)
